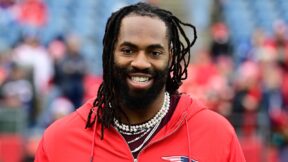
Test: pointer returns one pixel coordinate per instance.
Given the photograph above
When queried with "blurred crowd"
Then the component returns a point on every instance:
(251, 93)
(50, 79)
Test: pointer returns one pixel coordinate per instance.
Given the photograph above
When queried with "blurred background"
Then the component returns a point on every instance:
(50, 63)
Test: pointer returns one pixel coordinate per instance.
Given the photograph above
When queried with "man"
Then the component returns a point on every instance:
(138, 114)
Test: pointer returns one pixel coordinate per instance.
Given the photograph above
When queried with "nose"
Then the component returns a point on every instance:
(141, 61)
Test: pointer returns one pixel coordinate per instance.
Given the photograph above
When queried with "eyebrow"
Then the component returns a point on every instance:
(152, 46)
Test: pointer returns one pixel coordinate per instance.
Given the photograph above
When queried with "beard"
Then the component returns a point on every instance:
(138, 99)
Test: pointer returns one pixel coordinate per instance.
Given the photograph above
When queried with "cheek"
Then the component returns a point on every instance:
(120, 61)
(161, 66)
(167, 62)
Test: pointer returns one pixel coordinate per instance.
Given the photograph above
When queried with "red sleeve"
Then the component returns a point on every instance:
(40, 153)
(236, 152)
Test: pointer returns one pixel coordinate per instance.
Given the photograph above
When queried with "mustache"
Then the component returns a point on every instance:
(136, 70)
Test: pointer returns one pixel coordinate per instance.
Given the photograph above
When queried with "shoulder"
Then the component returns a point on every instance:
(62, 137)
(63, 124)
(70, 125)
(200, 114)
(74, 120)
(64, 132)
(209, 125)
(214, 119)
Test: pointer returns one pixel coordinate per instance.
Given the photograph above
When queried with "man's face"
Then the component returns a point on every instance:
(141, 60)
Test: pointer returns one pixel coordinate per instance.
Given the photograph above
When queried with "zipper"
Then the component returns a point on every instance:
(160, 139)
(123, 139)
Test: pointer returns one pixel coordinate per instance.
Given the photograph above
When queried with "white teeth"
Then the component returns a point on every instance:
(140, 79)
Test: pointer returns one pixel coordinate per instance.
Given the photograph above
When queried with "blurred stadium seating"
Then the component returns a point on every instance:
(238, 19)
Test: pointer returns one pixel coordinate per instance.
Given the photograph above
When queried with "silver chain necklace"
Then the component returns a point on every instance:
(147, 138)
(145, 127)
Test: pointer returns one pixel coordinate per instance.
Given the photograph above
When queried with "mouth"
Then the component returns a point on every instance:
(139, 81)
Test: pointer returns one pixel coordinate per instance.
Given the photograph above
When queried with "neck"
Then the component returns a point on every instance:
(136, 116)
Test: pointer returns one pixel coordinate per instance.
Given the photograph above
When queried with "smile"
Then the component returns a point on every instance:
(139, 81)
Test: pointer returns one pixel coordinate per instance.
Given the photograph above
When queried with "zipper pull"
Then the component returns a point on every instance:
(135, 160)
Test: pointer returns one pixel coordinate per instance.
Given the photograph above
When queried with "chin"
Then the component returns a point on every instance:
(138, 92)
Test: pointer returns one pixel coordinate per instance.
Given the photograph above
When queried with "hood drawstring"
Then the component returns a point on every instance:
(93, 138)
(188, 139)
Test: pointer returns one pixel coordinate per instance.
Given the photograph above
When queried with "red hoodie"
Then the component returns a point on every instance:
(193, 134)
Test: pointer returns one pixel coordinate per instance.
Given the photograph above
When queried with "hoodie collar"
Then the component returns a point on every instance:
(186, 108)
(184, 111)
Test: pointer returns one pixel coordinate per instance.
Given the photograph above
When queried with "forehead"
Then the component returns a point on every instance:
(143, 28)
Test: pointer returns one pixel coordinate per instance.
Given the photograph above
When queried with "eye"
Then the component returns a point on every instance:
(127, 51)
(156, 53)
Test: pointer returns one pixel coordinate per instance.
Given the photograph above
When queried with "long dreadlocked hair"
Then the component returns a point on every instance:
(106, 102)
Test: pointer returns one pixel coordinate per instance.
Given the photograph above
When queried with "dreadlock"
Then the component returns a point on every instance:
(106, 102)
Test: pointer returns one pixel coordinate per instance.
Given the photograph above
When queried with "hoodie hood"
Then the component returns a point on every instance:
(185, 109)
(84, 110)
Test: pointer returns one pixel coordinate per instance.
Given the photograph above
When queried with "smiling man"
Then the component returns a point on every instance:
(141, 66)
(138, 115)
